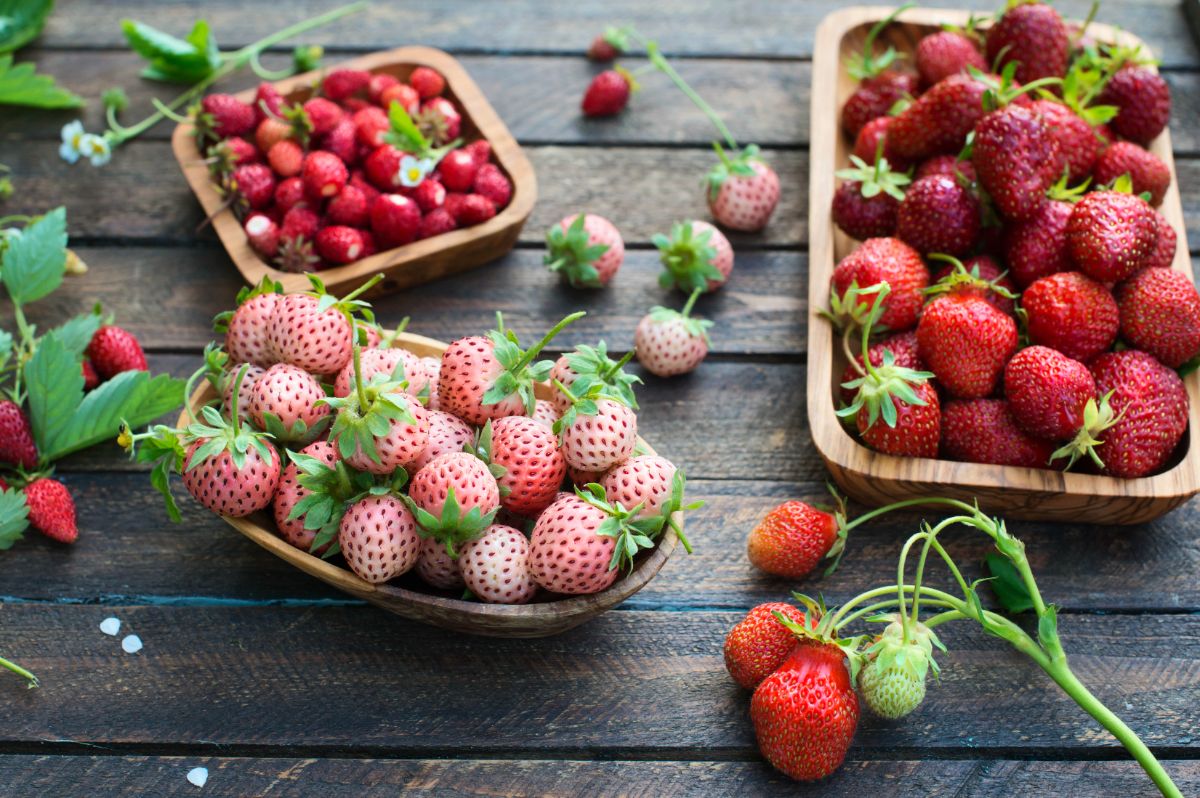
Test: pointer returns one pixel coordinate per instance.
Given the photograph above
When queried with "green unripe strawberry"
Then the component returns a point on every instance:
(892, 682)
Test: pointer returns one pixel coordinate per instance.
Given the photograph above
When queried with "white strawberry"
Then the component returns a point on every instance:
(670, 342)
(447, 433)
(437, 568)
(454, 498)
(496, 566)
(313, 330)
(246, 339)
(545, 412)
(286, 401)
(696, 255)
(433, 367)
(586, 249)
(525, 458)
(644, 480)
(384, 361)
(291, 493)
(379, 538)
(742, 190)
(244, 392)
(596, 432)
(593, 365)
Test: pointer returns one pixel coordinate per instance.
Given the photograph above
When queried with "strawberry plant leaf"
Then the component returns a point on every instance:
(174, 60)
(34, 263)
(54, 384)
(135, 396)
(14, 517)
(21, 85)
(75, 334)
(21, 21)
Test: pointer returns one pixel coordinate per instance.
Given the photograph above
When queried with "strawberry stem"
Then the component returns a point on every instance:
(664, 66)
(533, 351)
(17, 669)
(691, 302)
(236, 396)
(607, 374)
(358, 382)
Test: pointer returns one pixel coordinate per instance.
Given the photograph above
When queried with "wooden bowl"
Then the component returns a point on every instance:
(875, 478)
(538, 619)
(411, 264)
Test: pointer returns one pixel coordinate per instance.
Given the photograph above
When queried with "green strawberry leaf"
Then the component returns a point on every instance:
(404, 133)
(174, 60)
(14, 517)
(21, 85)
(34, 263)
(21, 21)
(54, 383)
(1007, 585)
(75, 334)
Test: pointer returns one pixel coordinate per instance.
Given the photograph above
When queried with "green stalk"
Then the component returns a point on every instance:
(665, 67)
(540, 345)
(883, 605)
(609, 372)
(17, 669)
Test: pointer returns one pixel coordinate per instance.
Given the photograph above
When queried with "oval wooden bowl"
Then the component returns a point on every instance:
(412, 264)
(539, 619)
(875, 478)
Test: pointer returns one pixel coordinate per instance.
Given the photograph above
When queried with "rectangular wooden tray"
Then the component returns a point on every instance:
(412, 264)
(877, 479)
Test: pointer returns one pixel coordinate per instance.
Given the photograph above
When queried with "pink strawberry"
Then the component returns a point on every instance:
(263, 234)
(566, 553)
(229, 468)
(597, 433)
(395, 220)
(437, 568)
(545, 413)
(374, 362)
(16, 437)
(348, 208)
(670, 342)
(585, 249)
(291, 493)
(447, 433)
(290, 394)
(1072, 313)
(457, 170)
(339, 244)
(646, 481)
(607, 94)
(495, 567)
(696, 255)
(246, 339)
(490, 182)
(1150, 405)
(51, 509)
(306, 335)
(113, 350)
(1160, 314)
(377, 427)
(533, 467)
(454, 498)
(743, 190)
(593, 365)
(427, 82)
(342, 83)
(379, 539)
(223, 115)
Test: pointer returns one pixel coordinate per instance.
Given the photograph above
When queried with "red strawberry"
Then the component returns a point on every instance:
(608, 45)
(286, 158)
(457, 170)
(51, 509)
(1145, 169)
(339, 244)
(303, 334)
(585, 249)
(981, 276)
(474, 209)
(696, 255)
(382, 167)
(395, 220)
(1150, 405)
(436, 222)
(113, 350)
(267, 102)
(1144, 102)
(792, 539)
(1037, 247)
(288, 393)
(263, 234)
(891, 261)
(945, 53)
(231, 152)
(300, 222)
(91, 380)
(874, 98)
(607, 94)
(670, 342)
(404, 94)
(758, 644)
(1047, 392)
(495, 568)
(246, 339)
(940, 119)
(938, 215)
(865, 205)
(342, 141)
(1163, 255)
(289, 193)
(342, 83)
(233, 472)
(447, 433)
(646, 480)
(1076, 139)
(16, 437)
(534, 467)
(323, 114)
(223, 115)
(1160, 314)
(1111, 235)
(439, 120)
(379, 539)
(481, 149)
(743, 190)
(492, 183)
(598, 436)
(1071, 313)
(349, 207)
(428, 82)
(866, 144)
(917, 428)
(380, 82)
(324, 174)
(806, 712)
(291, 492)
(429, 194)
(1034, 37)
(1017, 159)
(369, 126)
(255, 184)
(966, 342)
(903, 347)
(983, 431)
(948, 165)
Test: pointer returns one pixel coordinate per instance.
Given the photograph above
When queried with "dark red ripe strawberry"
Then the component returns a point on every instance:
(864, 217)
(481, 149)
(601, 50)
(428, 82)
(342, 83)
(342, 141)
(945, 53)
(1017, 160)
(349, 207)
(474, 209)
(429, 194)
(267, 102)
(938, 215)
(874, 97)
(457, 170)
(51, 510)
(939, 121)
(113, 350)
(1072, 313)
(805, 713)
(324, 174)
(395, 220)
(16, 437)
(917, 430)
(382, 167)
(966, 342)
(339, 244)
(903, 347)
(867, 144)
(1037, 247)
(324, 115)
(289, 193)
(1076, 139)
(238, 150)
(890, 260)
(986, 269)
(490, 182)
(759, 643)
(1047, 392)
(983, 431)
(606, 95)
(230, 116)
(791, 539)
(1164, 250)
(1152, 409)
(1111, 235)
(1034, 36)
(948, 165)
(91, 380)
(436, 222)
(369, 126)
(1160, 314)
(1144, 100)
(1145, 169)
(255, 183)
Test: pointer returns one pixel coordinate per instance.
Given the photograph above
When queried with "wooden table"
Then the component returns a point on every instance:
(280, 686)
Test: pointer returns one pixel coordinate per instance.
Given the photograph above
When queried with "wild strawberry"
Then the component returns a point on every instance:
(607, 94)
(1017, 159)
(310, 333)
(590, 366)
(395, 220)
(267, 102)
(342, 83)
(380, 81)
(447, 433)
(1072, 313)
(648, 481)
(980, 276)
(1143, 100)
(585, 249)
(342, 141)
(51, 509)
(1110, 235)
(231, 152)
(874, 97)
(436, 222)
(16, 437)
(1037, 247)
(246, 339)
(1145, 169)
(903, 347)
(91, 380)
(866, 144)
(475, 209)
(884, 260)
(669, 342)
(1160, 314)
(1163, 255)
(792, 539)
(428, 82)
(457, 170)
(492, 183)
(696, 255)
(263, 234)
(758, 644)
(286, 158)
(608, 45)
(945, 53)
(1033, 36)
(229, 468)
(1150, 407)
(339, 244)
(254, 184)
(1076, 139)
(481, 149)
(939, 120)
(348, 208)
(892, 681)
(291, 493)
(489, 377)
(966, 343)
(495, 568)
(369, 126)
(323, 114)
(743, 190)
(382, 167)
(531, 467)
(223, 115)
(270, 131)
(113, 350)
(948, 165)
(289, 193)
(324, 174)
(1047, 392)
(454, 202)
(865, 204)
(439, 120)
(292, 396)
(404, 94)
(596, 432)
(429, 194)
(379, 539)
(983, 431)
(300, 222)
(806, 712)
(938, 215)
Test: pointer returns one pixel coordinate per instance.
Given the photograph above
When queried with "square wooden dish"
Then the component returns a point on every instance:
(876, 479)
(411, 264)
(405, 597)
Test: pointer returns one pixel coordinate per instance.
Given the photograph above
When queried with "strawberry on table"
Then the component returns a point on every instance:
(608, 93)
(671, 342)
(51, 509)
(743, 190)
(792, 539)
(586, 249)
(695, 255)
(17, 446)
(758, 644)
(113, 350)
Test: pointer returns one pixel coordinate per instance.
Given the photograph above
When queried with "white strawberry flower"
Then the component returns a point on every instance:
(72, 141)
(96, 148)
(413, 170)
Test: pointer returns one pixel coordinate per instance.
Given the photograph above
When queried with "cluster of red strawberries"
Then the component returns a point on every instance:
(449, 467)
(1052, 324)
(367, 164)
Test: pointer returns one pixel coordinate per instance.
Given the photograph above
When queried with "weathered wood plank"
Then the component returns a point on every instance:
(762, 27)
(116, 776)
(357, 682)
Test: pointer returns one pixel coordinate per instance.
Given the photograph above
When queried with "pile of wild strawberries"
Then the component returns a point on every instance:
(1032, 316)
(329, 181)
(449, 467)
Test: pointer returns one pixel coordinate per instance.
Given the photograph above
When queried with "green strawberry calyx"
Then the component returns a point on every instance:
(350, 305)
(591, 364)
(230, 435)
(1000, 93)
(688, 258)
(520, 371)
(695, 327)
(570, 253)
(581, 404)
(453, 528)
(738, 164)
(867, 64)
(877, 178)
(265, 286)
(482, 448)
(1097, 417)
(961, 277)
(330, 492)
(368, 412)
(881, 387)
(630, 533)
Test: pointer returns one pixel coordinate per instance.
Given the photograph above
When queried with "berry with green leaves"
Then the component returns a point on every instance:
(378, 537)
(596, 432)
(695, 255)
(495, 568)
(526, 461)
(454, 498)
(670, 342)
(743, 189)
(315, 330)
(585, 249)
(866, 203)
(587, 366)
